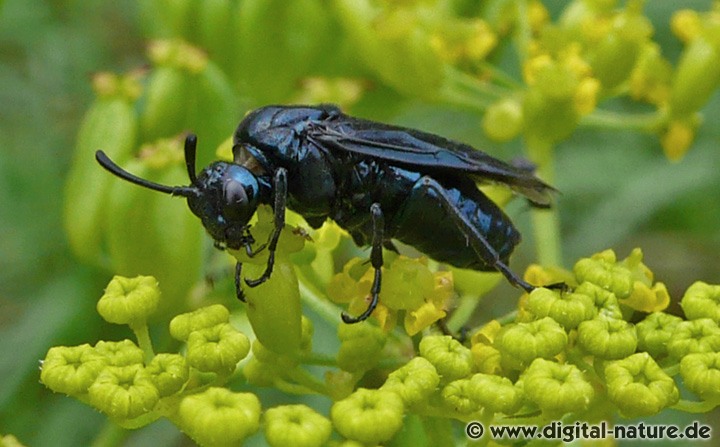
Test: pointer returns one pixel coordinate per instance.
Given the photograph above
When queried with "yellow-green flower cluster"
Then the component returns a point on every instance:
(408, 285)
(571, 349)
(588, 323)
(134, 386)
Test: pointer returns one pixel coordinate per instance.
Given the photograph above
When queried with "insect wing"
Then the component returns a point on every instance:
(425, 152)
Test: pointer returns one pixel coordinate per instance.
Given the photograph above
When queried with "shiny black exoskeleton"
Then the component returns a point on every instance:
(379, 182)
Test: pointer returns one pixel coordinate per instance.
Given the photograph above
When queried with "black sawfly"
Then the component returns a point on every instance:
(377, 181)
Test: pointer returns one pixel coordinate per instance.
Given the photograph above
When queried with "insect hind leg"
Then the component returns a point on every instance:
(376, 260)
(477, 241)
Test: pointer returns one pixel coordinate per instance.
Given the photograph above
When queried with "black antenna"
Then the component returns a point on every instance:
(190, 150)
(185, 191)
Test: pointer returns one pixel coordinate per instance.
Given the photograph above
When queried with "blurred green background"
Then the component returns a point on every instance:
(617, 189)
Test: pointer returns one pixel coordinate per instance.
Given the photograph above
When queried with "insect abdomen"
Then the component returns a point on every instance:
(427, 225)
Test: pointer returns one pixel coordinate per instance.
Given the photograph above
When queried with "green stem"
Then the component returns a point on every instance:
(467, 91)
(689, 406)
(462, 313)
(546, 223)
(313, 298)
(315, 358)
(307, 380)
(508, 318)
(110, 435)
(143, 337)
(503, 79)
(646, 122)
(523, 32)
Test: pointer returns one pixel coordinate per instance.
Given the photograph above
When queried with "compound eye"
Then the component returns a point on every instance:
(234, 193)
(235, 201)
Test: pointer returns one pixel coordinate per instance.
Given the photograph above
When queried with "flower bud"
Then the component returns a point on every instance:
(696, 77)
(606, 302)
(568, 309)
(521, 343)
(368, 416)
(701, 374)
(360, 346)
(655, 332)
(459, 395)
(451, 359)
(696, 336)
(607, 338)
(111, 124)
(260, 373)
(296, 425)
(273, 308)
(129, 300)
(71, 369)
(550, 116)
(602, 269)
(168, 372)
(702, 300)
(503, 120)
(217, 349)
(219, 417)
(638, 386)
(182, 325)
(496, 394)
(615, 55)
(123, 392)
(413, 382)
(556, 389)
(120, 353)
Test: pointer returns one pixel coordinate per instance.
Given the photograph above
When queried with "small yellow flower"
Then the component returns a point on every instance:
(648, 299)
(538, 15)
(534, 65)
(422, 317)
(650, 79)
(686, 24)
(677, 139)
(586, 95)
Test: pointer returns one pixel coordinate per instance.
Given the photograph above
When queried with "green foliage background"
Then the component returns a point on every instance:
(617, 190)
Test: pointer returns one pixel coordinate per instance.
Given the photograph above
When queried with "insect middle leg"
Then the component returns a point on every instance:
(280, 186)
(475, 238)
(376, 260)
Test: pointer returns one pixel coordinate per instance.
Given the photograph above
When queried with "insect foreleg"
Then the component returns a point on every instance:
(476, 240)
(376, 260)
(280, 185)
